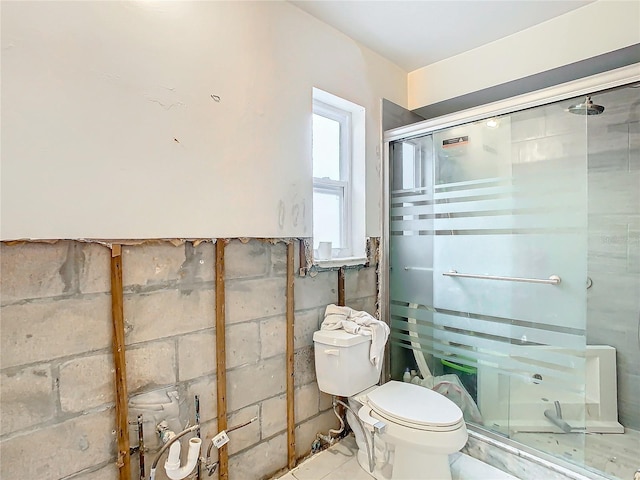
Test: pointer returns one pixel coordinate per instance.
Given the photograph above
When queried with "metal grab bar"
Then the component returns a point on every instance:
(552, 280)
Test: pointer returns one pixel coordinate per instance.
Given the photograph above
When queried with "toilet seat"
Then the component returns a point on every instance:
(415, 407)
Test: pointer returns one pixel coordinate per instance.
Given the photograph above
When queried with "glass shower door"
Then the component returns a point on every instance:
(488, 269)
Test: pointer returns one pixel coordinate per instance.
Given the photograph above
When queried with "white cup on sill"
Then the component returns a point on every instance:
(324, 251)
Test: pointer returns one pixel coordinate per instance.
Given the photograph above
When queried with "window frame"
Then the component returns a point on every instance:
(341, 186)
(351, 185)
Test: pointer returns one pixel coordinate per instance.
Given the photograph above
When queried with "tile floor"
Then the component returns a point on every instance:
(339, 462)
(616, 455)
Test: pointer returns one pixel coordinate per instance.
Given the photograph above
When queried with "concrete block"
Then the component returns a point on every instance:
(196, 355)
(110, 471)
(273, 340)
(151, 365)
(273, 416)
(307, 322)
(167, 313)
(253, 383)
(27, 398)
(306, 401)
(261, 461)
(360, 283)
(365, 304)
(325, 401)
(87, 382)
(199, 264)
(206, 389)
(42, 331)
(304, 366)
(306, 432)
(246, 436)
(251, 299)
(279, 259)
(60, 450)
(318, 291)
(205, 253)
(152, 263)
(246, 259)
(33, 270)
(243, 344)
(95, 270)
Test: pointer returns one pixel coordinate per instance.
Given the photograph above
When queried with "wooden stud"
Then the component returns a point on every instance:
(291, 420)
(122, 398)
(221, 359)
(341, 299)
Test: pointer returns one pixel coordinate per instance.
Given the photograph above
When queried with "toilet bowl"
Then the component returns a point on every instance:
(411, 429)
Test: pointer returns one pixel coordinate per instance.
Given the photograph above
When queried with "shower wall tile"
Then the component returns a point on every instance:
(527, 125)
(607, 247)
(570, 145)
(614, 193)
(634, 146)
(559, 122)
(617, 294)
(608, 148)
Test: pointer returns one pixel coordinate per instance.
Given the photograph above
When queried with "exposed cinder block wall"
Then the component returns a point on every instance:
(56, 370)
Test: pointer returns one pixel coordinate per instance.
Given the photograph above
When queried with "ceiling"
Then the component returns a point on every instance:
(417, 33)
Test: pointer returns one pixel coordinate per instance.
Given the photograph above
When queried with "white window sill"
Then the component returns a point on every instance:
(341, 262)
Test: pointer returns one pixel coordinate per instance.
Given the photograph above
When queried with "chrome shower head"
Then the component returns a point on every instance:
(586, 108)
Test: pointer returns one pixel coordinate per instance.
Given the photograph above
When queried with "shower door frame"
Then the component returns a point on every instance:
(603, 81)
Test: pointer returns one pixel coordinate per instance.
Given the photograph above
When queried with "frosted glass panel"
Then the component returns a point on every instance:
(475, 200)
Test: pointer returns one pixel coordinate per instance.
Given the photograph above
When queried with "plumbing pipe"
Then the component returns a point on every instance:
(171, 440)
(141, 446)
(172, 464)
(370, 452)
(235, 427)
(197, 406)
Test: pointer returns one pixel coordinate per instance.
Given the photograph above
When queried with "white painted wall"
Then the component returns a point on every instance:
(595, 29)
(109, 129)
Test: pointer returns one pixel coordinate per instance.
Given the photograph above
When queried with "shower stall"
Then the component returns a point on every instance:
(512, 235)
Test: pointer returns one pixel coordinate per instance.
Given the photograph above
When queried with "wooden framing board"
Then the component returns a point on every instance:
(291, 421)
(341, 299)
(122, 397)
(221, 359)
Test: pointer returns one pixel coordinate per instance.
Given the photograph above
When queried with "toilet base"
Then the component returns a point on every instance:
(410, 464)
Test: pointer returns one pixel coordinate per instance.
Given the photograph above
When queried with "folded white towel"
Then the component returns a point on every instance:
(359, 323)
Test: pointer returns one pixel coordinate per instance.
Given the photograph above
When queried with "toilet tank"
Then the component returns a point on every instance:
(343, 367)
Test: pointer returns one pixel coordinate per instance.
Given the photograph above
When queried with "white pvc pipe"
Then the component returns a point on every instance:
(173, 468)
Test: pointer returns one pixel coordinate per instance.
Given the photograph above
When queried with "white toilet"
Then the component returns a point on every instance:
(413, 429)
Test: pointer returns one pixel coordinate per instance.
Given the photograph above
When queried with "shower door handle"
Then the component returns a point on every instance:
(552, 280)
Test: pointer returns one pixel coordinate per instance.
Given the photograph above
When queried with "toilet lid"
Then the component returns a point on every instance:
(414, 405)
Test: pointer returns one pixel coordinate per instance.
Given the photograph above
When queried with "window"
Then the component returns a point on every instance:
(338, 179)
